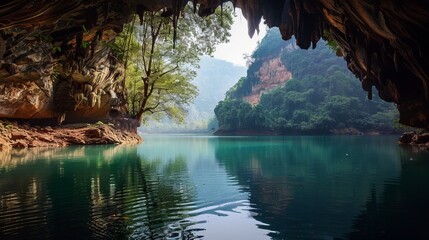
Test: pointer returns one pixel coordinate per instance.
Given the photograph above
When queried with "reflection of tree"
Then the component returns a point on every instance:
(31, 196)
(164, 193)
(402, 211)
(305, 187)
(99, 192)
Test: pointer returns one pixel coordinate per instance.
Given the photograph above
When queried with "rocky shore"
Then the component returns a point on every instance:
(14, 135)
(419, 139)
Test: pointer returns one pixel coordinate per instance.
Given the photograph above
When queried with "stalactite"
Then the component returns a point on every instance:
(79, 39)
(370, 93)
(106, 9)
(368, 57)
(194, 5)
(367, 86)
(140, 12)
(93, 47)
(91, 18)
(176, 15)
(396, 59)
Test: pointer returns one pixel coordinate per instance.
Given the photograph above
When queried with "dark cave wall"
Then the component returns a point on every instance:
(55, 59)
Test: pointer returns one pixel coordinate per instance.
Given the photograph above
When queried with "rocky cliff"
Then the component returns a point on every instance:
(382, 41)
(323, 97)
(55, 60)
(272, 74)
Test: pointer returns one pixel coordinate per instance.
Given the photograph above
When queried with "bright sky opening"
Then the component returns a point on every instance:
(240, 43)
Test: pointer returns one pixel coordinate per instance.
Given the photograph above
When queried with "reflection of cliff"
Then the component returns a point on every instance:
(12, 158)
(402, 211)
(308, 187)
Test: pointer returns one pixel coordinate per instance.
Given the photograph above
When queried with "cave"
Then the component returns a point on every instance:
(54, 60)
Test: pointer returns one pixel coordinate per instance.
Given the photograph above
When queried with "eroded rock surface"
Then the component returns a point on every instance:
(13, 135)
(56, 60)
(418, 139)
(272, 74)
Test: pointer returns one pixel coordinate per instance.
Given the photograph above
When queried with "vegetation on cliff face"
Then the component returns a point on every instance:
(321, 97)
(160, 62)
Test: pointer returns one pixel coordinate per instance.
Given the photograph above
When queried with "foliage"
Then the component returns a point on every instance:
(331, 43)
(322, 96)
(158, 76)
(269, 45)
(213, 79)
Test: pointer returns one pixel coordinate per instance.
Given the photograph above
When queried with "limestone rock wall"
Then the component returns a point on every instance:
(56, 59)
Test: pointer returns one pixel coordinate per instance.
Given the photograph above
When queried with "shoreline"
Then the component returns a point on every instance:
(14, 135)
(337, 132)
(418, 140)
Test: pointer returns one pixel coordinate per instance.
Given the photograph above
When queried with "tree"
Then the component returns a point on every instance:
(159, 74)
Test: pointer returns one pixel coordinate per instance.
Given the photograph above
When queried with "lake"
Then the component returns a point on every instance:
(207, 187)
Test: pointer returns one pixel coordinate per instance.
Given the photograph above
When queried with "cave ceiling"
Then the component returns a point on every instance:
(383, 41)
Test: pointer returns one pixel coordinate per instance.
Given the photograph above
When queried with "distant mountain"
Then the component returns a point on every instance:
(289, 90)
(214, 78)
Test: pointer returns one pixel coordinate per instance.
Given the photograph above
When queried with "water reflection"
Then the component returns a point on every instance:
(191, 187)
(309, 187)
(105, 192)
(402, 210)
(221, 208)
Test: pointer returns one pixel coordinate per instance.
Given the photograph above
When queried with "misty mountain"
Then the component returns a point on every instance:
(214, 78)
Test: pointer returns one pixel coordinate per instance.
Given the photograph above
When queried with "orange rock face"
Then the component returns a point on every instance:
(272, 74)
(54, 60)
(24, 100)
(13, 135)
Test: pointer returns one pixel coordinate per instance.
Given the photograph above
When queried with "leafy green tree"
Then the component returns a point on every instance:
(159, 73)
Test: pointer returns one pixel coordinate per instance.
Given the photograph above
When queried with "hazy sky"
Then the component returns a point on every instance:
(240, 43)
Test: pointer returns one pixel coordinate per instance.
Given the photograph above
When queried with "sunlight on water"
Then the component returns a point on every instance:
(205, 187)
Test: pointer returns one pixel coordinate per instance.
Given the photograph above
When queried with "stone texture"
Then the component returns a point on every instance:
(13, 135)
(419, 140)
(272, 74)
(55, 60)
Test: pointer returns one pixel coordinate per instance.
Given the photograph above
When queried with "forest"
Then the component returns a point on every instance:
(322, 97)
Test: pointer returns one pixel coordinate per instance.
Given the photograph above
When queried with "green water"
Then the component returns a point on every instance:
(205, 187)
